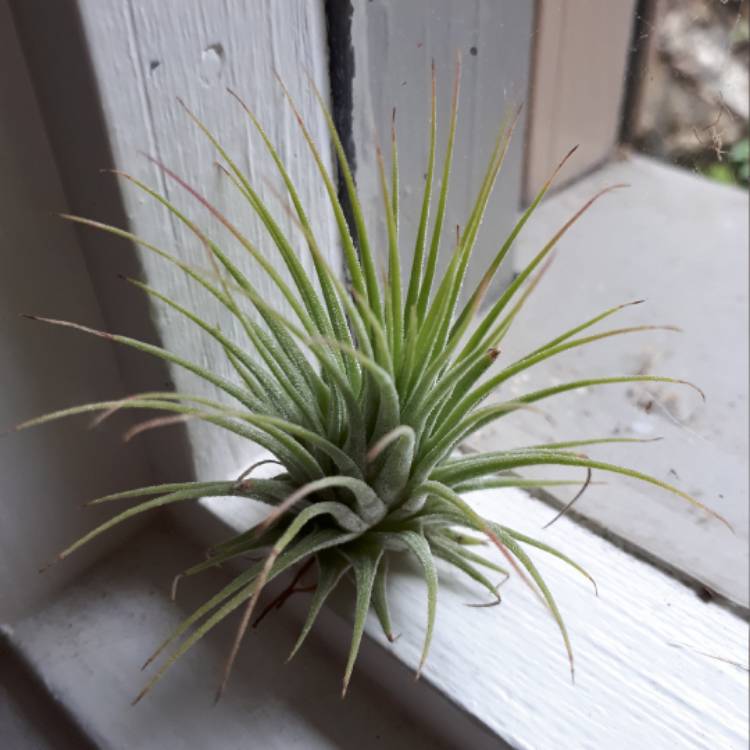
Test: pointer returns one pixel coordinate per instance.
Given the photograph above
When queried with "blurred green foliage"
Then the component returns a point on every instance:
(735, 169)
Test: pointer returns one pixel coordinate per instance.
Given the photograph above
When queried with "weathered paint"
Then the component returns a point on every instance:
(652, 661)
(680, 242)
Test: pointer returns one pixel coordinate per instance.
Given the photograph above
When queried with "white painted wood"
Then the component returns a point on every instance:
(680, 242)
(143, 55)
(394, 43)
(634, 687)
(655, 666)
(121, 609)
(45, 474)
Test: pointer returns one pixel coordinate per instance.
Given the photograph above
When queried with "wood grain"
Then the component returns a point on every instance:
(394, 43)
(655, 666)
(145, 55)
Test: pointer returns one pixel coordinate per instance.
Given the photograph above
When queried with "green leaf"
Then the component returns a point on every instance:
(491, 463)
(415, 277)
(551, 551)
(526, 561)
(205, 489)
(394, 265)
(432, 256)
(364, 562)
(450, 553)
(484, 334)
(326, 278)
(421, 550)
(233, 596)
(331, 567)
(380, 600)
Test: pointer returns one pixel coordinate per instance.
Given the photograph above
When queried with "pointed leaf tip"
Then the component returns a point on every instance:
(140, 695)
(219, 694)
(173, 589)
(570, 504)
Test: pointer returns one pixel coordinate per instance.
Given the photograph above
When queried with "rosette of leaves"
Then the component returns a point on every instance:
(362, 394)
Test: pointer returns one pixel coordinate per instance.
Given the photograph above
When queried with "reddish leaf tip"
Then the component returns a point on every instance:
(173, 589)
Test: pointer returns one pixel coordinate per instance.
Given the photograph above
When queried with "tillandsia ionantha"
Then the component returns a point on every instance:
(362, 395)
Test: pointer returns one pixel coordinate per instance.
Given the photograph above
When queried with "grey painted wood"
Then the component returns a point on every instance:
(29, 717)
(45, 474)
(680, 242)
(394, 43)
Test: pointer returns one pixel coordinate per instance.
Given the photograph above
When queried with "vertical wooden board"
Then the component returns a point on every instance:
(577, 85)
(394, 43)
(144, 55)
(45, 473)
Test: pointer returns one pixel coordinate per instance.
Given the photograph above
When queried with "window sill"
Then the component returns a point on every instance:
(680, 241)
(655, 665)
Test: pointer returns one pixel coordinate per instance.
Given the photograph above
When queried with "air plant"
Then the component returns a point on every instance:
(362, 394)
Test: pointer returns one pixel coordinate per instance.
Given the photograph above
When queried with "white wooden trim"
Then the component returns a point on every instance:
(650, 655)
